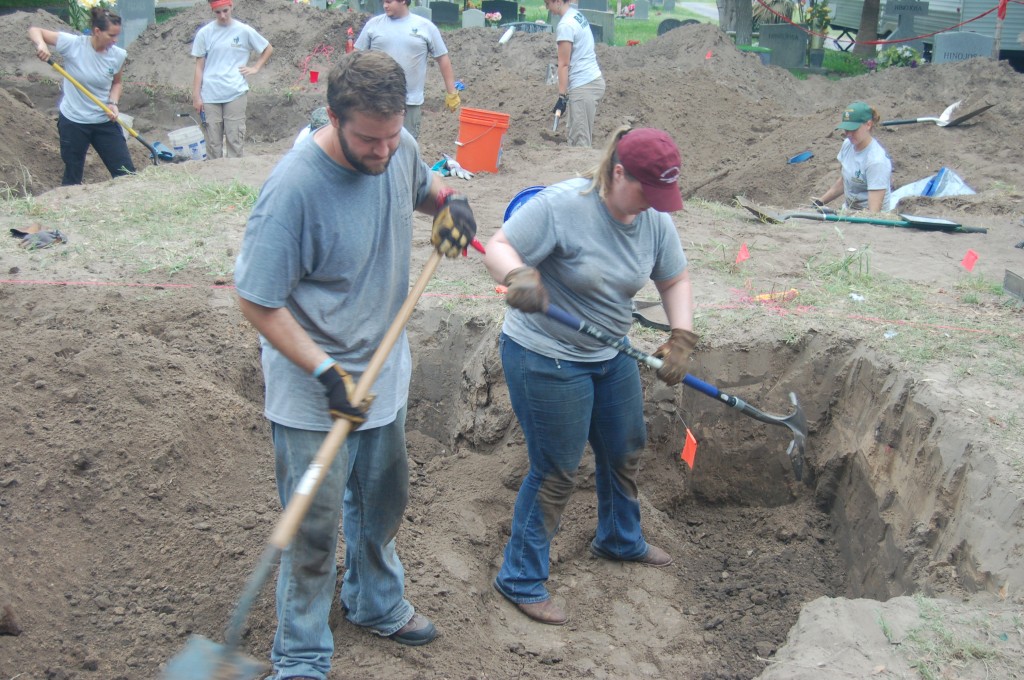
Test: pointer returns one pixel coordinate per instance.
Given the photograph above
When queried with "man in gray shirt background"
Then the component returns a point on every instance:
(410, 39)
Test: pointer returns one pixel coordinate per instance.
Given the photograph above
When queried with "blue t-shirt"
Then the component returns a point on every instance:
(332, 245)
(591, 265)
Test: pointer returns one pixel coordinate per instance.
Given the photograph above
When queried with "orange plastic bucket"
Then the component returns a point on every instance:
(478, 148)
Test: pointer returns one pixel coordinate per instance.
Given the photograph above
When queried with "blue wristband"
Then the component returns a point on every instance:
(322, 368)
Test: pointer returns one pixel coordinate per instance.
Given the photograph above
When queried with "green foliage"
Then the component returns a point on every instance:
(844, 63)
(818, 16)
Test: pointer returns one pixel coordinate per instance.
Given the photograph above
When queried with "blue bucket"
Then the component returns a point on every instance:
(519, 199)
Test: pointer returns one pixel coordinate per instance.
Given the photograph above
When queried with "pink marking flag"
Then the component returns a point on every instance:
(743, 254)
(969, 259)
(689, 451)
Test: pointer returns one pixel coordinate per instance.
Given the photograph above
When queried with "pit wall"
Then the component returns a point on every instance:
(913, 502)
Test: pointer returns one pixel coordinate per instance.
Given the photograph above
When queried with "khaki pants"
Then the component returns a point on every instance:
(413, 116)
(582, 110)
(225, 125)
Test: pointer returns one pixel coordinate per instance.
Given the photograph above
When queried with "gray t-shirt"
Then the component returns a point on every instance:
(332, 245)
(409, 41)
(226, 49)
(574, 28)
(591, 264)
(864, 171)
(94, 70)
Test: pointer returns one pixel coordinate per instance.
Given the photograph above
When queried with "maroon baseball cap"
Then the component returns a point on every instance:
(652, 158)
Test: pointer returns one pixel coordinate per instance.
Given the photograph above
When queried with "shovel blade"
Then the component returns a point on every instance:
(762, 214)
(204, 659)
(967, 116)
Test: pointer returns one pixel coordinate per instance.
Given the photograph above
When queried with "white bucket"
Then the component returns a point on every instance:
(127, 120)
(188, 142)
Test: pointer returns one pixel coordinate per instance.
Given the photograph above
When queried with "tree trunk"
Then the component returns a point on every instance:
(736, 15)
(868, 30)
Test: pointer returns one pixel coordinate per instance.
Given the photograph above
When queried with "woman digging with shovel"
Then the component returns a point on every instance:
(587, 245)
(96, 62)
(865, 167)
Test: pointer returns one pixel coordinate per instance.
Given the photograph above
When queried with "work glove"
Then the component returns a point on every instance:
(560, 105)
(526, 292)
(454, 226)
(340, 388)
(456, 170)
(676, 355)
(452, 100)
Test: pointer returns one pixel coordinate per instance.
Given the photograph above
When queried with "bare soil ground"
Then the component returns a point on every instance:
(136, 478)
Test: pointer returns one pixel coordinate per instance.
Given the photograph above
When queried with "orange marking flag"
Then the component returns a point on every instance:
(689, 451)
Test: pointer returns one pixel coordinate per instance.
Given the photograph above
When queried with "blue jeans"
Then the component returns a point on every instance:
(370, 477)
(561, 405)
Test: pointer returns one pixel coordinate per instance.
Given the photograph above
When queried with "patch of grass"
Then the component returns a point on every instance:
(174, 229)
(843, 64)
(938, 650)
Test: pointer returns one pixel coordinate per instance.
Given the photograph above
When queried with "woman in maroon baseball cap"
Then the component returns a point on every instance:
(588, 245)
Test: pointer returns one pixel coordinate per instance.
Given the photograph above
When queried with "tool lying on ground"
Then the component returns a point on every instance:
(795, 421)
(203, 659)
(911, 221)
(153, 151)
(944, 119)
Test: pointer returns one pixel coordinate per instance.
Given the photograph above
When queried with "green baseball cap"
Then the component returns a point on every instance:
(855, 115)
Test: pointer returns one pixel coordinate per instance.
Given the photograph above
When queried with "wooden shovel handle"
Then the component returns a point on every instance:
(302, 497)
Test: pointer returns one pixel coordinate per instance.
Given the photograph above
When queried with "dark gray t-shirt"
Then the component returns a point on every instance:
(332, 245)
(591, 264)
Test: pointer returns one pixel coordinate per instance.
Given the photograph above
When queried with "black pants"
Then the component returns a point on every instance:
(106, 138)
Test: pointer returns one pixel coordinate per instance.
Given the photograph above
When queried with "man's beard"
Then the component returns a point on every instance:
(358, 164)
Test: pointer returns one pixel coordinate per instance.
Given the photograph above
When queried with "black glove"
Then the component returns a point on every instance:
(454, 226)
(560, 105)
(340, 387)
(676, 355)
(526, 292)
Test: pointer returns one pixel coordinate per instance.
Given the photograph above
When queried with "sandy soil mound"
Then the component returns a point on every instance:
(136, 479)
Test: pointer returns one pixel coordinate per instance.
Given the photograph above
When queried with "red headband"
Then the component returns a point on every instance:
(217, 4)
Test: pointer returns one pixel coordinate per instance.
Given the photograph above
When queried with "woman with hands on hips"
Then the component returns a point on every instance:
(96, 62)
(588, 245)
(865, 179)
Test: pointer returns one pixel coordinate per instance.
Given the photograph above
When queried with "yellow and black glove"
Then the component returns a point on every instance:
(340, 389)
(675, 354)
(454, 226)
(526, 292)
(452, 100)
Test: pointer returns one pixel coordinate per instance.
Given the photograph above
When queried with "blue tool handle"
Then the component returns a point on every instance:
(558, 314)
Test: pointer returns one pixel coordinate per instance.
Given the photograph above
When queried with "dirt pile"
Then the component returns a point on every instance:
(136, 480)
(737, 122)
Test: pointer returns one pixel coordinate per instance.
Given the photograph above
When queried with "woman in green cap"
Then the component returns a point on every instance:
(866, 177)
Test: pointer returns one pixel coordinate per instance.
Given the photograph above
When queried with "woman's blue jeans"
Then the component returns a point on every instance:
(370, 477)
(561, 405)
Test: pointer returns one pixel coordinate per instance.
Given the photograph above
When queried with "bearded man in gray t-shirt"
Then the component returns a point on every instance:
(323, 269)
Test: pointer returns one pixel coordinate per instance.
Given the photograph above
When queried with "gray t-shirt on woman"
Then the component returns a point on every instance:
(591, 264)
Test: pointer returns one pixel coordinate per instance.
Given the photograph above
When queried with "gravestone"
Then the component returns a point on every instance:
(787, 43)
(595, 5)
(509, 10)
(641, 9)
(906, 10)
(422, 12)
(602, 25)
(445, 13)
(667, 25)
(960, 46)
(374, 7)
(136, 17)
(473, 18)
(669, 6)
